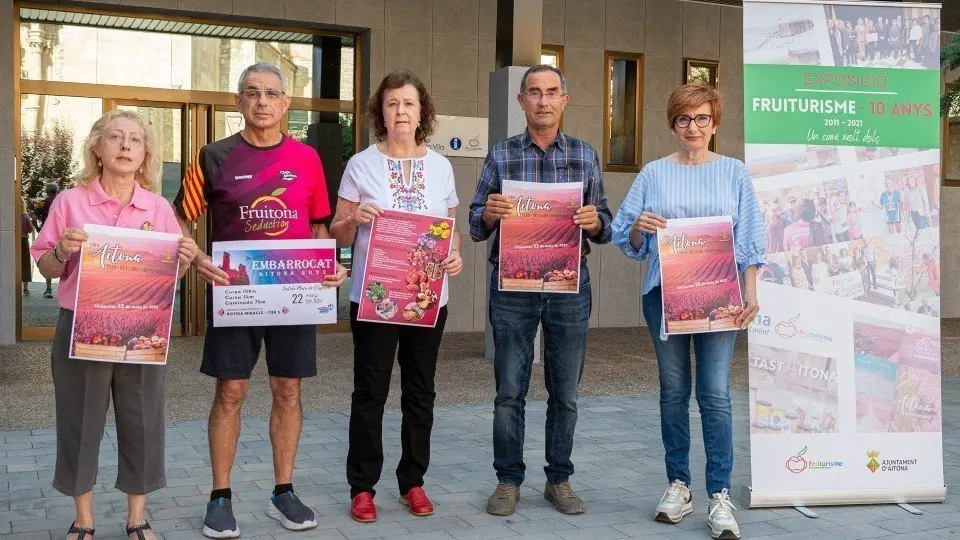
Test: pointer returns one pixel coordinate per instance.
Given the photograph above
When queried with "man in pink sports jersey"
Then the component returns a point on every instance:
(258, 184)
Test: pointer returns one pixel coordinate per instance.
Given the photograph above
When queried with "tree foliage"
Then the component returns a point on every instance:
(46, 156)
(949, 61)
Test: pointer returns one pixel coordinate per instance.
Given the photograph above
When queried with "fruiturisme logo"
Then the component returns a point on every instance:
(798, 463)
(787, 329)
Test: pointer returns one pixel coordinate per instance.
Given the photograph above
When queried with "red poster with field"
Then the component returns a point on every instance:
(699, 279)
(125, 293)
(539, 242)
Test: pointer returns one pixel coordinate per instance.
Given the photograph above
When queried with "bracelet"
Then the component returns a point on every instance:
(55, 256)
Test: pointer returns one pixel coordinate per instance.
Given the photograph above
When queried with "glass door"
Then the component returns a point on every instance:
(167, 120)
(331, 134)
(52, 131)
(227, 121)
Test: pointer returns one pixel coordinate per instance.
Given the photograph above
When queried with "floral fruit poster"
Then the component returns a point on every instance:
(539, 242)
(701, 287)
(404, 280)
(125, 293)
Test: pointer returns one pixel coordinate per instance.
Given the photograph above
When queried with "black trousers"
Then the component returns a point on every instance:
(374, 348)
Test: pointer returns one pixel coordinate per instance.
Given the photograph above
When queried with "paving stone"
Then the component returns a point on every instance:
(539, 526)
(484, 533)
(854, 530)
(593, 533)
(906, 524)
(434, 535)
(619, 474)
(34, 535)
(374, 530)
(432, 524)
(951, 532)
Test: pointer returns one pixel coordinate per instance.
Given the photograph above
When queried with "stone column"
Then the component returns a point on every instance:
(9, 195)
(32, 68)
(519, 31)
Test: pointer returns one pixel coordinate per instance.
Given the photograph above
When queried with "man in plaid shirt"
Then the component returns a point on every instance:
(540, 154)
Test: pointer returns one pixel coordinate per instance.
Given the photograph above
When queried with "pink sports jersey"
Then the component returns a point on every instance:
(256, 193)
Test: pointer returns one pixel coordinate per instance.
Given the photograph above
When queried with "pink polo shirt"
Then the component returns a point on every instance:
(79, 206)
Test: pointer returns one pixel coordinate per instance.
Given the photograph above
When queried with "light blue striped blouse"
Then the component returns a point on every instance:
(717, 188)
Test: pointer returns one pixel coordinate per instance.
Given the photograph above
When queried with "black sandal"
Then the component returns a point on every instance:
(139, 530)
(81, 532)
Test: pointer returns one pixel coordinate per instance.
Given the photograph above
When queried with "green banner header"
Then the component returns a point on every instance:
(841, 106)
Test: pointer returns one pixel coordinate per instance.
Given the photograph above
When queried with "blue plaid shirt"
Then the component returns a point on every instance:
(566, 159)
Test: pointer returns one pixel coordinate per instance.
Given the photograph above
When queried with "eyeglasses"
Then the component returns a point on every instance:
(535, 95)
(702, 120)
(271, 94)
(133, 141)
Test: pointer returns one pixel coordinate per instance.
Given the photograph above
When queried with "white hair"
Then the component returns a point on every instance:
(261, 67)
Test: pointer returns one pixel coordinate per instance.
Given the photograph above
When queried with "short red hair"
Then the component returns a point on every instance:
(691, 96)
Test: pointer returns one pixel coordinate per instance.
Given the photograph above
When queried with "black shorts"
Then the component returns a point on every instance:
(231, 352)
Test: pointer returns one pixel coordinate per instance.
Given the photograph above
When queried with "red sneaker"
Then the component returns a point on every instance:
(362, 508)
(418, 502)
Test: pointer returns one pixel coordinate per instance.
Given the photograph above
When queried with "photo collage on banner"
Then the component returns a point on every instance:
(842, 133)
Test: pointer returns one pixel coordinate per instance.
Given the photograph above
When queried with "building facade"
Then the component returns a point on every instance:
(622, 59)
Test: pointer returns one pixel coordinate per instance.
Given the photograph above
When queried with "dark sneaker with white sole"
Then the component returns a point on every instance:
(219, 521)
(290, 512)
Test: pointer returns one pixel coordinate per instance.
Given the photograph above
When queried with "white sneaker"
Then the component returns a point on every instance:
(723, 526)
(675, 503)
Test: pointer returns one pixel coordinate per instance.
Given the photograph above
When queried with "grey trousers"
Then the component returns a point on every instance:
(83, 389)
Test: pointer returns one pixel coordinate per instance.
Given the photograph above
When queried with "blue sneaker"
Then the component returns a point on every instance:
(219, 521)
(290, 512)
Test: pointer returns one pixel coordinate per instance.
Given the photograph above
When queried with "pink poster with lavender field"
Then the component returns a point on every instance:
(403, 279)
(699, 280)
(539, 242)
(126, 286)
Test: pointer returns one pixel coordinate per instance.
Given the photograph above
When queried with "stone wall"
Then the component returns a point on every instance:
(9, 243)
(950, 223)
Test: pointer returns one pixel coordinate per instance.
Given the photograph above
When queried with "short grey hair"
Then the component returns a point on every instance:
(538, 69)
(261, 67)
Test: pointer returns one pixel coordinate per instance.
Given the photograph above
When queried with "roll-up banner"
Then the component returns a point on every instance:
(842, 131)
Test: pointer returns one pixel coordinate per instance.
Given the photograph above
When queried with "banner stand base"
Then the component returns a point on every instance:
(799, 499)
(807, 512)
(910, 508)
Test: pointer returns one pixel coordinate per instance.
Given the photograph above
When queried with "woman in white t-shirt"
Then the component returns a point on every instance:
(397, 173)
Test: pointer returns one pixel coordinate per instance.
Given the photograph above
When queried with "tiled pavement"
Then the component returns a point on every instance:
(619, 472)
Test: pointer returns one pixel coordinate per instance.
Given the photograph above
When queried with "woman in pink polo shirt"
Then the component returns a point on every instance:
(117, 187)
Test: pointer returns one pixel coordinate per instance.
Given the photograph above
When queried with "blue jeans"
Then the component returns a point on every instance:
(514, 318)
(714, 354)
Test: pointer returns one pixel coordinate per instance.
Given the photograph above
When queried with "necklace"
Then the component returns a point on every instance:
(395, 155)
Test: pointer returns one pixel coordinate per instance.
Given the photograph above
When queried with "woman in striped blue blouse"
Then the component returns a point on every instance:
(694, 182)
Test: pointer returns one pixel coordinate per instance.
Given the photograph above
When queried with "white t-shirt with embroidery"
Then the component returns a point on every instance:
(372, 177)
